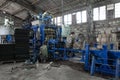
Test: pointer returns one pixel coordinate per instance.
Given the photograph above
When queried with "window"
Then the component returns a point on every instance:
(78, 17)
(117, 10)
(84, 16)
(102, 13)
(65, 19)
(81, 17)
(99, 13)
(55, 20)
(68, 19)
(96, 14)
(52, 21)
(59, 20)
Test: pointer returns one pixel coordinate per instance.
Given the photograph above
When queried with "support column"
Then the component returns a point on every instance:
(90, 28)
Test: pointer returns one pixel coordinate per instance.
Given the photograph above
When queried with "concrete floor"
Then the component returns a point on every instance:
(63, 72)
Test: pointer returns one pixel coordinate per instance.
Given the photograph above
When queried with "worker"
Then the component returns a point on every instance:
(70, 43)
(70, 40)
(44, 52)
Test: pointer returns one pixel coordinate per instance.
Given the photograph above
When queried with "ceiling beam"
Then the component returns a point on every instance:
(19, 11)
(28, 6)
(9, 15)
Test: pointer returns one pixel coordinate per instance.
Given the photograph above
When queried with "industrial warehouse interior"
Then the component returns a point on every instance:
(59, 39)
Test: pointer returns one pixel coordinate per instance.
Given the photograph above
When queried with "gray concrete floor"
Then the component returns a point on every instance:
(63, 72)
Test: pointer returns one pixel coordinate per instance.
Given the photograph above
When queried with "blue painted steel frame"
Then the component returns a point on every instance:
(42, 34)
(102, 57)
(34, 42)
(65, 50)
(99, 57)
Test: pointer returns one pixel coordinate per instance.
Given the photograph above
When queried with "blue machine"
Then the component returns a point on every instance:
(104, 60)
(45, 24)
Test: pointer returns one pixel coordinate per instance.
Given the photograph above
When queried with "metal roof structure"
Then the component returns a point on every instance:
(19, 8)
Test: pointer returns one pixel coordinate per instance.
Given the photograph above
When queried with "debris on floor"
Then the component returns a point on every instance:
(48, 66)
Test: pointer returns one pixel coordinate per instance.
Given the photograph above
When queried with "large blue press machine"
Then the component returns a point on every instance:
(41, 34)
(103, 60)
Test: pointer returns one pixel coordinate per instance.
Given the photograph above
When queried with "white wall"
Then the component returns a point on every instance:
(6, 30)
